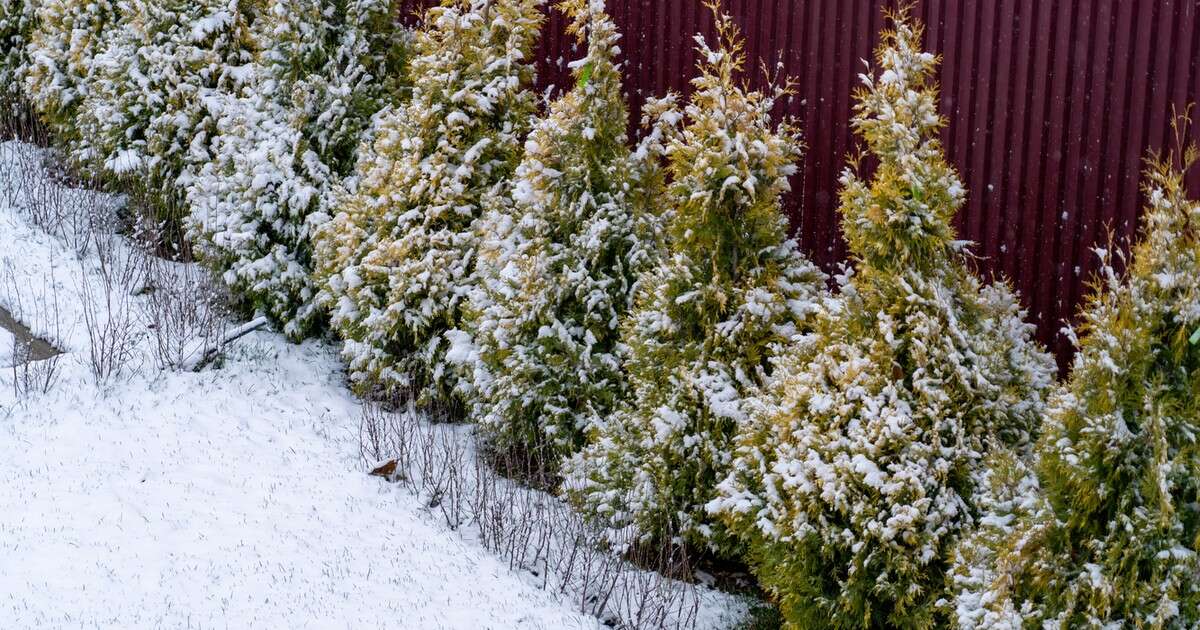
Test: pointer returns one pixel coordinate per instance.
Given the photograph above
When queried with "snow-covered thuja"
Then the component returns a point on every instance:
(1007, 497)
(62, 49)
(852, 479)
(144, 114)
(729, 288)
(265, 177)
(16, 22)
(1113, 541)
(560, 276)
(333, 66)
(397, 262)
(249, 206)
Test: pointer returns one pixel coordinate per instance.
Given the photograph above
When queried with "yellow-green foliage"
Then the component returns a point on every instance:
(729, 288)
(853, 476)
(62, 49)
(1112, 541)
(398, 260)
(265, 173)
(560, 263)
(144, 109)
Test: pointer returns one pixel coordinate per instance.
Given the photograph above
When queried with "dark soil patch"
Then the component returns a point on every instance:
(30, 347)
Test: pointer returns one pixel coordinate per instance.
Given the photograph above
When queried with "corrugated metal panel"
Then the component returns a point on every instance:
(1051, 106)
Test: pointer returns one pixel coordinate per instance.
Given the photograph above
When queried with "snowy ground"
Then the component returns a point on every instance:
(225, 498)
(8, 347)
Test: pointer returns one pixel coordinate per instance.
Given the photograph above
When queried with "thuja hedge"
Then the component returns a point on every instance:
(632, 317)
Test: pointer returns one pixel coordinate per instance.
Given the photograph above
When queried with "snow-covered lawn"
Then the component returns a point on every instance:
(8, 347)
(228, 498)
(232, 497)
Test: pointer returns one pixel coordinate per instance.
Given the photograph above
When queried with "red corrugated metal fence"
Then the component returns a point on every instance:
(1051, 106)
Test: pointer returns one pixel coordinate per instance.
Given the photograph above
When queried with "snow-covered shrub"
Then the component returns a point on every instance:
(1111, 542)
(729, 288)
(333, 66)
(1008, 499)
(397, 262)
(61, 49)
(853, 477)
(265, 178)
(559, 265)
(249, 207)
(144, 113)
(16, 22)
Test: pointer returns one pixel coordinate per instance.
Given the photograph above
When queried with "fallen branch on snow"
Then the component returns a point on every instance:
(196, 361)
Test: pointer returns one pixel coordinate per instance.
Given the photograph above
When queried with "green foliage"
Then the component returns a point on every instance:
(17, 20)
(560, 262)
(397, 262)
(1112, 540)
(249, 210)
(708, 315)
(333, 66)
(762, 617)
(854, 475)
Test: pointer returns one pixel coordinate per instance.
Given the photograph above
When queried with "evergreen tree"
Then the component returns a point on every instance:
(1009, 499)
(258, 187)
(16, 22)
(249, 209)
(144, 113)
(853, 477)
(559, 270)
(333, 66)
(706, 318)
(1112, 539)
(62, 47)
(398, 260)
